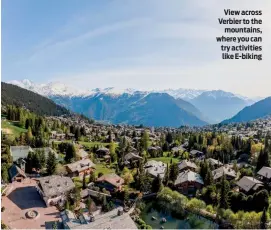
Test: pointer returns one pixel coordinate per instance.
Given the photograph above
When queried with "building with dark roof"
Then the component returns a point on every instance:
(188, 182)
(265, 174)
(187, 165)
(196, 153)
(224, 170)
(249, 185)
(131, 158)
(16, 174)
(110, 182)
(79, 168)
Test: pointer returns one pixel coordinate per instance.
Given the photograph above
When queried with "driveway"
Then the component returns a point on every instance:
(22, 198)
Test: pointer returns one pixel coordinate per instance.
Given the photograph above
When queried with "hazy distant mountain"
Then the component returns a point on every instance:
(157, 109)
(218, 105)
(258, 110)
(152, 109)
(103, 104)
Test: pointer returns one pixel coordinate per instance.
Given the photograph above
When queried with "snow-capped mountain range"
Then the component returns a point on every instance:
(60, 89)
(212, 106)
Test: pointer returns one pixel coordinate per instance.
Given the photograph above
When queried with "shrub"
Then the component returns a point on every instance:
(210, 209)
(195, 204)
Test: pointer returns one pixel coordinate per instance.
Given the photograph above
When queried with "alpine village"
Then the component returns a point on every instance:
(64, 170)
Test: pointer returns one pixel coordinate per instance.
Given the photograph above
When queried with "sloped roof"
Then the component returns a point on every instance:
(185, 163)
(20, 152)
(194, 152)
(265, 172)
(14, 170)
(81, 165)
(132, 155)
(178, 148)
(111, 178)
(226, 170)
(214, 161)
(247, 183)
(155, 168)
(55, 185)
(188, 176)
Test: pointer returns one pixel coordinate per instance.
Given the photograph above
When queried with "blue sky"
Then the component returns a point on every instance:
(127, 44)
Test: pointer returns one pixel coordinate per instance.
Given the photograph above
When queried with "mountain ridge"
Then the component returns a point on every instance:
(15, 95)
(255, 111)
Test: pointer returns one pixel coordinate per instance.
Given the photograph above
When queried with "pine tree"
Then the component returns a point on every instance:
(209, 177)
(223, 203)
(51, 163)
(9, 157)
(4, 173)
(166, 177)
(145, 141)
(263, 223)
(263, 159)
(173, 172)
(42, 159)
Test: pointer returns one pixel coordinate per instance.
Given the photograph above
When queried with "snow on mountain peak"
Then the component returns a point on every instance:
(50, 89)
(59, 89)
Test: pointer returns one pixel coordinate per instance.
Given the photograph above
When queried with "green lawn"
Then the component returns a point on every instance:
(166, 159)
(101, 168)
(10, 128)
(91, 144)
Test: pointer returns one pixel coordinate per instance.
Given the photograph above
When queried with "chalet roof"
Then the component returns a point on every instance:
(81, 165)
(55, 185)
(213, 161)
(178, 148)
(265, 172)
(185, 164)
(194, 152)
(226, 170)
(155, 168)
(247, 183)
(132, 155)
(14, 170)
(154, 148)
(112, 179)
(188, 176)
(20, 152)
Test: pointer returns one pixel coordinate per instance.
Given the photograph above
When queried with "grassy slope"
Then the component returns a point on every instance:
(9, 127)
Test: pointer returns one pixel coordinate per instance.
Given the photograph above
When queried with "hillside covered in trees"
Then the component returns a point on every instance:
(14, 95)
